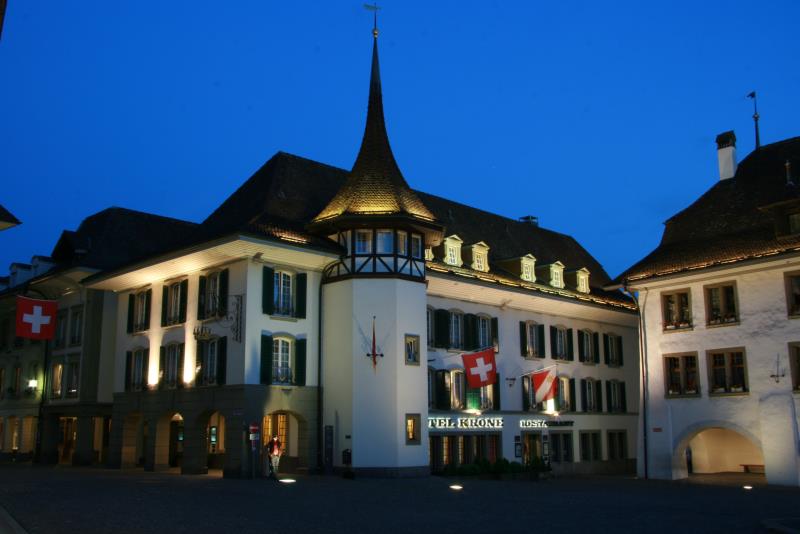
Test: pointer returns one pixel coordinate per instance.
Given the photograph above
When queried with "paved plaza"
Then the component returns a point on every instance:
(66, 499)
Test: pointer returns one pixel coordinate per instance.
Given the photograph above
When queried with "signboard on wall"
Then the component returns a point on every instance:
(465, 423)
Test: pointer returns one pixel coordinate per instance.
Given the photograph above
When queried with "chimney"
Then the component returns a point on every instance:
(726, 154)
(530, 219)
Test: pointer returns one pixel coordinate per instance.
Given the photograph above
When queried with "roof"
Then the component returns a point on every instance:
(375, 185)
(7, 220)
(732, 221)
(116, 236)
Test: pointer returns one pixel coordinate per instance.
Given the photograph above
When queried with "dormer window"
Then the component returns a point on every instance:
(451, 250)
(552, 273)
(452, 255)
(794, 223)
(477, 256)
(555, 278)
(583, 283)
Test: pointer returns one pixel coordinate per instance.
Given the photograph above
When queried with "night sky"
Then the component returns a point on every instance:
(597, 117)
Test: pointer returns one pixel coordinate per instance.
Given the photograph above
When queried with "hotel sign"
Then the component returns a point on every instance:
(465, 423)
(533, 423)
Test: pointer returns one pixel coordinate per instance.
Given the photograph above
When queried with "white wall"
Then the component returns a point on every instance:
(767, 415)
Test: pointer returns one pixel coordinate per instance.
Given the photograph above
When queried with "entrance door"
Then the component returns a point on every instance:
(531, 446)
(68, 428)
(175, 443)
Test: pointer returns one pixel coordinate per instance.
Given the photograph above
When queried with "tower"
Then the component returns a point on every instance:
(375, 399)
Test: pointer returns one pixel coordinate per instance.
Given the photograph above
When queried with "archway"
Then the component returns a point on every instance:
(134, 434)
(717, 448)
(168, 451)
(292, 431)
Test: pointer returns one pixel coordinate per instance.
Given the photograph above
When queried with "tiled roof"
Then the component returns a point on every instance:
(375, 186)
(728, 223)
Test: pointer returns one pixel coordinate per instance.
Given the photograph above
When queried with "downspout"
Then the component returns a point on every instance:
(643, 366)
(320, 422)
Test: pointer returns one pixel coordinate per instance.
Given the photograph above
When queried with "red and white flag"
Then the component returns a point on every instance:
(544, 384)
(480, 368)
(36, 319)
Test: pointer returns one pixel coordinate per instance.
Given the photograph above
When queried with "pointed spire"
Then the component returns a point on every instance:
(375, 185)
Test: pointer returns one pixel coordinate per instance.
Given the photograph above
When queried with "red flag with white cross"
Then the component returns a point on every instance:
(36, 319)
(480, 368)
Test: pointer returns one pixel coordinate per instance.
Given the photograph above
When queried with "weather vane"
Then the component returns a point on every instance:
(756, 116)
(374, 8)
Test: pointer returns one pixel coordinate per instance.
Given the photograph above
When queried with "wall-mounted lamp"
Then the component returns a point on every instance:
(33, 383)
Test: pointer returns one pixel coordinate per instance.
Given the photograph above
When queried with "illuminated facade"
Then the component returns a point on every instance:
(720, 301)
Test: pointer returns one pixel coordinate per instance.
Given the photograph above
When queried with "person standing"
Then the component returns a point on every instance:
(274, 451)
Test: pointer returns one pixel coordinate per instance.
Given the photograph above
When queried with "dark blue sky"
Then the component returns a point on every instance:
(597, 117)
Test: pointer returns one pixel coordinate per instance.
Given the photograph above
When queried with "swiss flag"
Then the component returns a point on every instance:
(36, 319)
(480, 368)
(544, 384)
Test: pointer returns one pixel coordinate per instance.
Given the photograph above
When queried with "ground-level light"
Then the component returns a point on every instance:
(456, 487)
(287, 480)
(748, 487)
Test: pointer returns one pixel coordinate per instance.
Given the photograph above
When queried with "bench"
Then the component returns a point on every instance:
(753, 468)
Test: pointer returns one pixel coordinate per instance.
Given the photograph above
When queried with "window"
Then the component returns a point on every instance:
(17, 381)
(139, 307)
(727, 372)
(721, 304)
(62, 322)
(431, 388)
(457, 393)
(416, 246)
(527, 272)
(172, 302)
(592, 395)
(172, 365)
(563, 400)
(56, 380)
(281, 361)
(430, 330)
(793, 293)
(212, 295)
(534, 340)
(587, 349)
(413, 429)
(613, 347)
(484, 331)
(452, 255)
(480, 262)
(282, 293)
(615, 391)
(617, 445)
(561, 446)
(677, 312)
(794, 361)
(456, 330)
(384, 241)
(681, 375)
(590, 446)
(583, 283)
(412, 349)
(402, 243)
(73, 366)
(138, 370)
(76, 326)
(561, 343)
(555, 277)
(363, 241)
(212, 361)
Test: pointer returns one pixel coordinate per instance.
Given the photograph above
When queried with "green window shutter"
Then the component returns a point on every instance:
(570, 351)
(128, 367)
(599, 392)
(540, 340)
(581, 345)
(496, 333)
(622, 397)
(131, 304)
(266, 360)
(162, 366)
(181, 351)
(164, 304)
(300, 362)
(583, 395)
(473, 398)
(267, 290)
(300, 295)
(442, 328)
(222, 301)
(619, 349)
(609, 408)
(184, 299)
(526, 392)
(148, 300)
(496, 393)
(523, 339)
(573, 400)
(222, 360)
(596, 347)
(553, 334)
(605, 348)
(201, 298)
(470, 331)
(442, 390)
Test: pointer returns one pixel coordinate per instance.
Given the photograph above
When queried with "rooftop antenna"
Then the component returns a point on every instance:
(755, 117)
(374, 8)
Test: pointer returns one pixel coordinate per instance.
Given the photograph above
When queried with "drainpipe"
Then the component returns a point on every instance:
(643, 366)
(320, 422)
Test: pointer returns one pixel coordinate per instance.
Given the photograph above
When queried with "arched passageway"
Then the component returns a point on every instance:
(715, 449)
